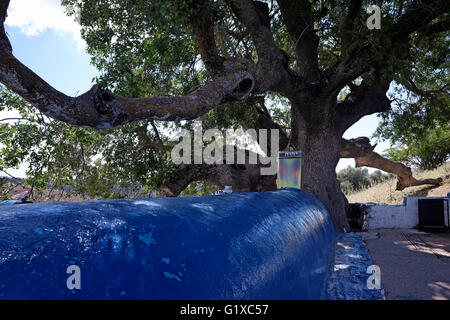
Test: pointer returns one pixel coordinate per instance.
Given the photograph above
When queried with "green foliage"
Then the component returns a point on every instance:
(418, 124)
(427, 152)
(419, 132)
(357, 179)
(99, 164)
(198, 188)
(144, 48)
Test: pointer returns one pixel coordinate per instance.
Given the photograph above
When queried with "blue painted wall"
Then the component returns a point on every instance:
(269, 245)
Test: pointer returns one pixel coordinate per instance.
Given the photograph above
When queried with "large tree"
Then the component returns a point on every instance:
(307, 53)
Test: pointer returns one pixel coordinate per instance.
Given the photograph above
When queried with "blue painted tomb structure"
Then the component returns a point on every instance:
(263, 245)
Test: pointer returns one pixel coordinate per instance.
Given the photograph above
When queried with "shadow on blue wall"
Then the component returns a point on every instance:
(268, 245)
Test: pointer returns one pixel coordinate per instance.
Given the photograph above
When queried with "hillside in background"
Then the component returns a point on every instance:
(385, 192)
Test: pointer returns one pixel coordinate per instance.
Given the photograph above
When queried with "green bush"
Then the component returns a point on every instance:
(357, 179)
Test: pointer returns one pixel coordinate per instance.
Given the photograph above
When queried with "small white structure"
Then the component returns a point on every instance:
(405, 216)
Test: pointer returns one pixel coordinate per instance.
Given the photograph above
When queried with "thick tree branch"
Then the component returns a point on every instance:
(418, 15)
(263, 120)
(246, 177)
(203, 23)
(363, 100)
(242, 177)
(297, 17)
(272, 70)
(362, 151)
(255, 17)
(347, 24)
(360, 58)
(4, 41)
(100, 108)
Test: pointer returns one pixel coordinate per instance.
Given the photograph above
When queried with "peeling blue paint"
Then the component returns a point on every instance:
(171, 276)
(147, 238)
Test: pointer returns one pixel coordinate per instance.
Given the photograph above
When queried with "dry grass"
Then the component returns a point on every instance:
(385, 192)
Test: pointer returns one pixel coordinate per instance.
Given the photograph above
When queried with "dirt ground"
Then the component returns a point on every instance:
(414, 265)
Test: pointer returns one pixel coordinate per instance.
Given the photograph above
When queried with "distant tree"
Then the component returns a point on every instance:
(427, 153)
(377, 177)
(347, 187)
(357, 179)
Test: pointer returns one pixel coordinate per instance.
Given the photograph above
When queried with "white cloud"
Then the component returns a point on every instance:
(36, 16)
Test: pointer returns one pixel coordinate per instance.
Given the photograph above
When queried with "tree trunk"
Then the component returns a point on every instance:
(320, 157)
(320, 147)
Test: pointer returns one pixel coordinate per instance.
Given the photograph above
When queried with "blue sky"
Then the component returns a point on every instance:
(49, 43)
(54, 57)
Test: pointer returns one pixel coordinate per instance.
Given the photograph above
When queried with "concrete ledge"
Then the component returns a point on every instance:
(348, 280)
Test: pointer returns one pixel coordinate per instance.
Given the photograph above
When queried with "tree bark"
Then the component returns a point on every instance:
(315, 135)
(242, 177)
(320, 155)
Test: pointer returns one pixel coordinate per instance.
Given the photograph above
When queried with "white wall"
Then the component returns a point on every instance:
(404, 216)
(388, 216)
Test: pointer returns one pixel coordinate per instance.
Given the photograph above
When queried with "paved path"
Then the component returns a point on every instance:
(414, 265)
